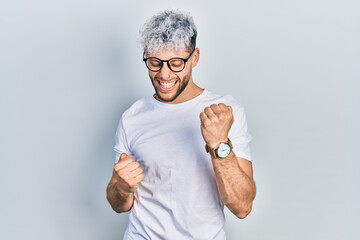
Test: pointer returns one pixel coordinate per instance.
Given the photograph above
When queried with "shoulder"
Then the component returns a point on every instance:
(142, 105)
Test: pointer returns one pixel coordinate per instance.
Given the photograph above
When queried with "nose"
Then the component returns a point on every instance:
(165, 72)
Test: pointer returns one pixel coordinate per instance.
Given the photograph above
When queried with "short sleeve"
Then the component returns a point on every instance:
(121, 143)
(239, 134)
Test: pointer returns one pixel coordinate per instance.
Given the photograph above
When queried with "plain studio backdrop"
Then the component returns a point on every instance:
(68, 70)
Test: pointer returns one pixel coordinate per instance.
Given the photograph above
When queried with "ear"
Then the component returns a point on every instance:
(195, 58)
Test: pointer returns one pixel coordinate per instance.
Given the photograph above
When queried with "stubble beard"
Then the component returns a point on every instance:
(184, 82)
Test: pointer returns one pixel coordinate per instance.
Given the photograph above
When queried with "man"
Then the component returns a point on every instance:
(176, 187)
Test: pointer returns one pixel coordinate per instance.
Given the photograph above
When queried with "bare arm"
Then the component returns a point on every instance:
(120, 202)
(234, 176)
(126, 176)
(235, 183)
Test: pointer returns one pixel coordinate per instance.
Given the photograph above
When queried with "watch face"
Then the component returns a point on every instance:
(223, 150)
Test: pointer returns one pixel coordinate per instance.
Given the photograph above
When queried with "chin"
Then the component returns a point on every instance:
(166, 97)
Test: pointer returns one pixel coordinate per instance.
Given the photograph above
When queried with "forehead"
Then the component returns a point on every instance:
(167, 53)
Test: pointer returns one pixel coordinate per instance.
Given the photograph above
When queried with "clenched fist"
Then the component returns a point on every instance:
(128, 174)
(216, 122)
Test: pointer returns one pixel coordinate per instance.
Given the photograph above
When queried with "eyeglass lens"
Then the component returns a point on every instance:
(174, 64)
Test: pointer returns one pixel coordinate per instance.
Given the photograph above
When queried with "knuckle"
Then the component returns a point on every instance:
(207, 111)
(215, 119)
(221, 116)
(131, 165)
(207, 122)
(142, 176)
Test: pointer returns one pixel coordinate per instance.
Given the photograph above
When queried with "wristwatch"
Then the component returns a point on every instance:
(222, 151)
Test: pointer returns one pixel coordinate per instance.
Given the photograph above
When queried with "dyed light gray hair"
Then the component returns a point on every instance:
(169, 28)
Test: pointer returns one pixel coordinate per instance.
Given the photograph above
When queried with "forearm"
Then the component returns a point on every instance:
(236, 189)
(120, 202)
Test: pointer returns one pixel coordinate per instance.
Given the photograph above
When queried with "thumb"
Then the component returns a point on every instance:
(122, 156)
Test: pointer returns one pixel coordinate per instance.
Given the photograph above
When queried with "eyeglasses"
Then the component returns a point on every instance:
(175, 64)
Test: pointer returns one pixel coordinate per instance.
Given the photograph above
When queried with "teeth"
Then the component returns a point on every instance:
(167, 84)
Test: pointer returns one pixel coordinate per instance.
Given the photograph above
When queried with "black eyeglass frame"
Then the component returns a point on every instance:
(167, 61)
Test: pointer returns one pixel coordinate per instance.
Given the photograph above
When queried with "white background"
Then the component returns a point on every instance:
(68, 69)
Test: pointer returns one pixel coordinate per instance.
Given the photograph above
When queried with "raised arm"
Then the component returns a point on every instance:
(234, 176)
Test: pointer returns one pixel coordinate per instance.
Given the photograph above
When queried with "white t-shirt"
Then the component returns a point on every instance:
(178, 198)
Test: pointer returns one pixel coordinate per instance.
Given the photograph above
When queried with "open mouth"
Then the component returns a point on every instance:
(168, 85)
